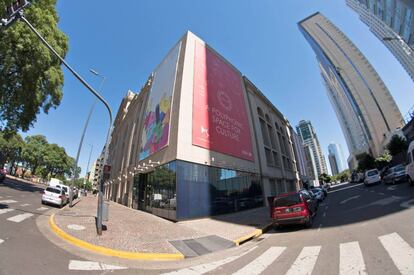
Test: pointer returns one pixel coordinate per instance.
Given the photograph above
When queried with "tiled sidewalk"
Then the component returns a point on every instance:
(138, 231)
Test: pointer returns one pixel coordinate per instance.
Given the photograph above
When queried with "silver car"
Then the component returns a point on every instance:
(395, 174)
(55, 196)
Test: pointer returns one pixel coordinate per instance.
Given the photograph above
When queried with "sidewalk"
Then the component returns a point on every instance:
(133, 231)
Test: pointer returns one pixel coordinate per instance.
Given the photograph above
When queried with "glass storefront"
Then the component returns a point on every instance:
(182, 190)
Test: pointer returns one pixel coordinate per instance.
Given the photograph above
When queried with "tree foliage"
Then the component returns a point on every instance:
(365, 162)
(31, 77)
(397, 145)
(342, 176)
(36, 154)
(325, 178)
(11, 146)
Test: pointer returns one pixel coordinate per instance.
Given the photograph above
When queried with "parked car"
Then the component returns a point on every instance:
(55, 196)
(293, 208)
(409, 168)
(3, 173)
(395, 174)
(372, 177)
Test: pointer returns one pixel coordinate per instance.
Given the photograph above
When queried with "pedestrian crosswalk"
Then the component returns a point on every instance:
(20, 217)
(351, 259)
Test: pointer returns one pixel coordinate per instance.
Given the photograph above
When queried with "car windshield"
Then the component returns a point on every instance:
(65, 189)
(53, 190)
(399, 168)
(288, 200)
(372, 173)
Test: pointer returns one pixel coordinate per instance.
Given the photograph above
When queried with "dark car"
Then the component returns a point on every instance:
(2, 174)
(394, 174)
(293, 208)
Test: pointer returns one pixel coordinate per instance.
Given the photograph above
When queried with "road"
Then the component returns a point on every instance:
(358, 230)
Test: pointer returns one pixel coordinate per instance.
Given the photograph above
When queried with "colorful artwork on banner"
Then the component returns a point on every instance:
(220, 121)
(156, 129)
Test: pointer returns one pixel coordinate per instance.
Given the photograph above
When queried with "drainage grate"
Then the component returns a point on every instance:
(201, 246)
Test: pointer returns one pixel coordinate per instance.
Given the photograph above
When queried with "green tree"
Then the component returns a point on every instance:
(56, 162)
(31, 77)
(325, 178)
(383, 160)
(397, 145)
(11, 146)
(34, 152)
(365, 162)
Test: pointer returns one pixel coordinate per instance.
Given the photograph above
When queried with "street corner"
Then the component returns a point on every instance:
(109, 251)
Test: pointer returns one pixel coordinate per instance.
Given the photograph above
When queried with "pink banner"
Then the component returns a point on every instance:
(220, 120)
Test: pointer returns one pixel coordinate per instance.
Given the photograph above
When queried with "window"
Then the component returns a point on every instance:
(265, 135)
(272, 136)
(272, 184)
(269, 159)
(276, 158)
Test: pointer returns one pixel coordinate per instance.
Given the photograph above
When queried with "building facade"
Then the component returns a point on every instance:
(364, 107)
(198, 139)
(310, 140)
(392, 23)
(335, 152)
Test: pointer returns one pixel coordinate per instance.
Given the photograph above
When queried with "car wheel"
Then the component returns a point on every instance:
(43, 202)
(276, 226)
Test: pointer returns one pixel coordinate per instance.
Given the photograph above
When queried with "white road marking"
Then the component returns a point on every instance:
(76, 227)
(386, 201)
(204, 268)
(26, 204)
(305, 262)
(262, 262)
(7, 201)
(42, 208)
(351, 260)
(353, 186)
(6, 210)
(1, 241)
(349, 199)
(408, 204)
(392, 188)
(20, 218)
(88, 265)
(401, 253)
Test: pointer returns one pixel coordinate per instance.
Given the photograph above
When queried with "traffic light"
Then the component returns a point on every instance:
(13, 10)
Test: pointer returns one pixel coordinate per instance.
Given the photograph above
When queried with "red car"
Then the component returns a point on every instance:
(293, 208)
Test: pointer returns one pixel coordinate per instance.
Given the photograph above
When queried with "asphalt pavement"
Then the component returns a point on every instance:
(358, 230)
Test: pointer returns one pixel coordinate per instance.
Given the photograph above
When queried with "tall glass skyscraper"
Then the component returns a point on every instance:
(393, 23)
(310, 139)
(364, 107)
(336, 158)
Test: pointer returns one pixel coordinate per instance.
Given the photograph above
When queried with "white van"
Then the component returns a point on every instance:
(58, 183)
(54, 182)
(409, 168)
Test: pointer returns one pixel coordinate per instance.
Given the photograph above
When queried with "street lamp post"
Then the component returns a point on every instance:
(15, 12)
(81, 141)
(87, 167)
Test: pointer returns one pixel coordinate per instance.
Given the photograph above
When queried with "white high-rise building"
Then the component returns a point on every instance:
(310, 139)
(364, 107)
(393, 23)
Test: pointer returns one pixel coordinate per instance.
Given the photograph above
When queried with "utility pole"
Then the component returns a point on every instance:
(15, 12)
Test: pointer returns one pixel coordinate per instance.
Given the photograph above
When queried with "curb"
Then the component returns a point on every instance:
(254, 234)
(111, 252)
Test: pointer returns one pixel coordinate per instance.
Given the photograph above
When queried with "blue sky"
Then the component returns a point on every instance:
(126, 42)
